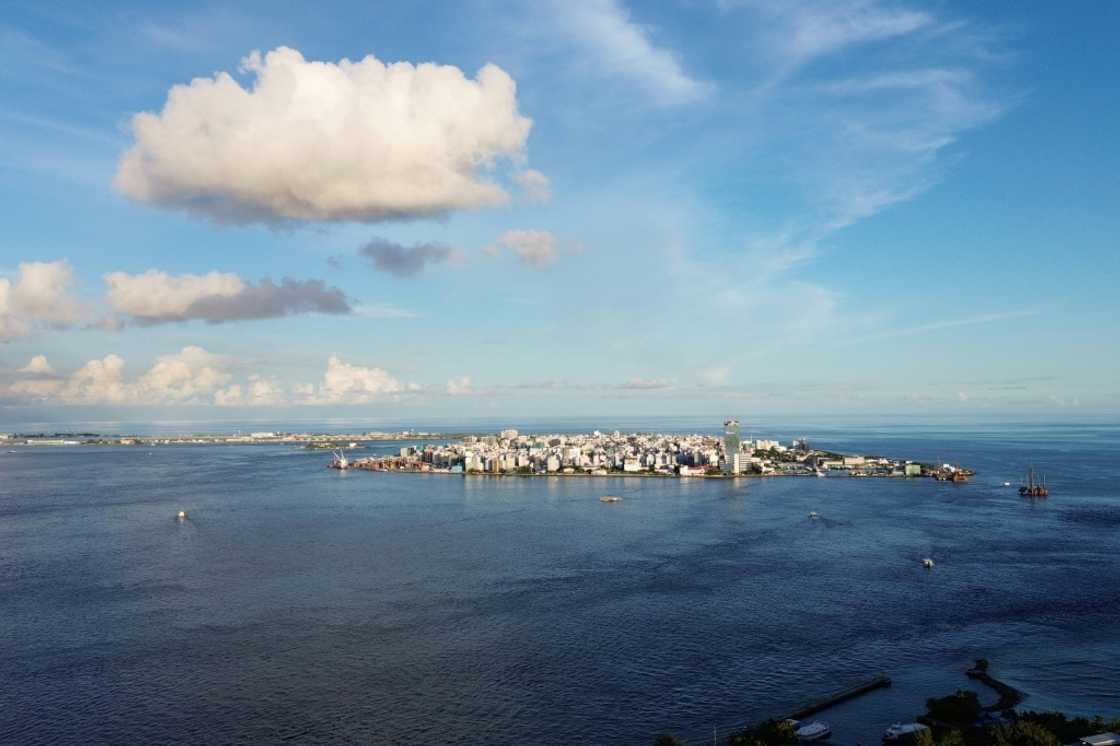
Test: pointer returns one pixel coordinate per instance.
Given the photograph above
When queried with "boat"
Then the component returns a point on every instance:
(927, 563)
(903, 732)
(610, 499)
(1035, 486)
(821, 472)
(1007, 484)
(814, 515)
(814, 731)
(339, 461)
(181, 515)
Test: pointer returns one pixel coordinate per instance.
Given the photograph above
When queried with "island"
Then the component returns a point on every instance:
(599, 453)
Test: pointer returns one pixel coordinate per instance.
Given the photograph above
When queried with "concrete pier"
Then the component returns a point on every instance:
(879, 682)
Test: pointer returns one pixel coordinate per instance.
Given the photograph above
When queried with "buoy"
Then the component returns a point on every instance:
(927, 563)
(182, 516)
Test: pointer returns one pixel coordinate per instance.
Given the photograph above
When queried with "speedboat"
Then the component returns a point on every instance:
(610, 499)
(927, 563)
(903, 732)
(814, 731)
(814, 515)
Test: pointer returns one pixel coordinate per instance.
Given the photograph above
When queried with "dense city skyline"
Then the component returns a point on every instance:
(539, 209)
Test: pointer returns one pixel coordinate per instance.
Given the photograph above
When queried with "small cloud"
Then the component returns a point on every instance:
(406, 261)
(715, 376)
(38, 365)
(646, 384)
(460, 387)
(537, 249)
(534, 184)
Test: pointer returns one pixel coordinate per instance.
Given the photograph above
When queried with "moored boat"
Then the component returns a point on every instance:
(815, 731)
(903, 732)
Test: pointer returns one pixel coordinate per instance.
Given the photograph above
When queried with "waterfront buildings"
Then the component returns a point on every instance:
(732, 439)
(658, 454)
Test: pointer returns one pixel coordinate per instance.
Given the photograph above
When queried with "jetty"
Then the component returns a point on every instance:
(844, 695)
(1009, 696)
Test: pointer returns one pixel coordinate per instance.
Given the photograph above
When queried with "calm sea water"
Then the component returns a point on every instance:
(302, 604)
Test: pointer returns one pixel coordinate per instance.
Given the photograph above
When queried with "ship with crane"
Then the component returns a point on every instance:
(1035, 486)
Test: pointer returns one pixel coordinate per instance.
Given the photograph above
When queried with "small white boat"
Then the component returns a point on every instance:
(182, 515)
(903, 731)
(813, 515)
(1007, 484)
(821, 473)
(814, 731)
(927, 563)
(610, 499)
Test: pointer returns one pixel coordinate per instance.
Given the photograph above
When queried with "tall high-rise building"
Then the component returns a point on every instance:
(732, 436)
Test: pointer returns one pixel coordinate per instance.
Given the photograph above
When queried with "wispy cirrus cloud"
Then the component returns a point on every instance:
(615, 45)
(849, 140)
(931, 327)
(875, 131)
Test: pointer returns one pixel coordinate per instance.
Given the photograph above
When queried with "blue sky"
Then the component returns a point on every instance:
(586, 208)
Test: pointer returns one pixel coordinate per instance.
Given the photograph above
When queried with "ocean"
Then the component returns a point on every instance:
(301, 604)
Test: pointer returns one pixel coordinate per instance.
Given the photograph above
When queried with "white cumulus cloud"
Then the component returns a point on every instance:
(354, 384)
(311, 140)
(155, 297)
(38, 365)
(38, 295)
(190, 376)
(258, 391)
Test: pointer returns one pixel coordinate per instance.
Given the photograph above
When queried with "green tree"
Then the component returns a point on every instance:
(667, 740)
(767, 733)
(1023, 734)
(951, 738)
(962, 708)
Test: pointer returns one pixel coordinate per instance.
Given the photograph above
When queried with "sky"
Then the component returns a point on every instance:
(488, 209)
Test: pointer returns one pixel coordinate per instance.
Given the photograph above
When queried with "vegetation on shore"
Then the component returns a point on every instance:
(958, 719)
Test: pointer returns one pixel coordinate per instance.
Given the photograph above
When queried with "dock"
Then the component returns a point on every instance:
(879, 682)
